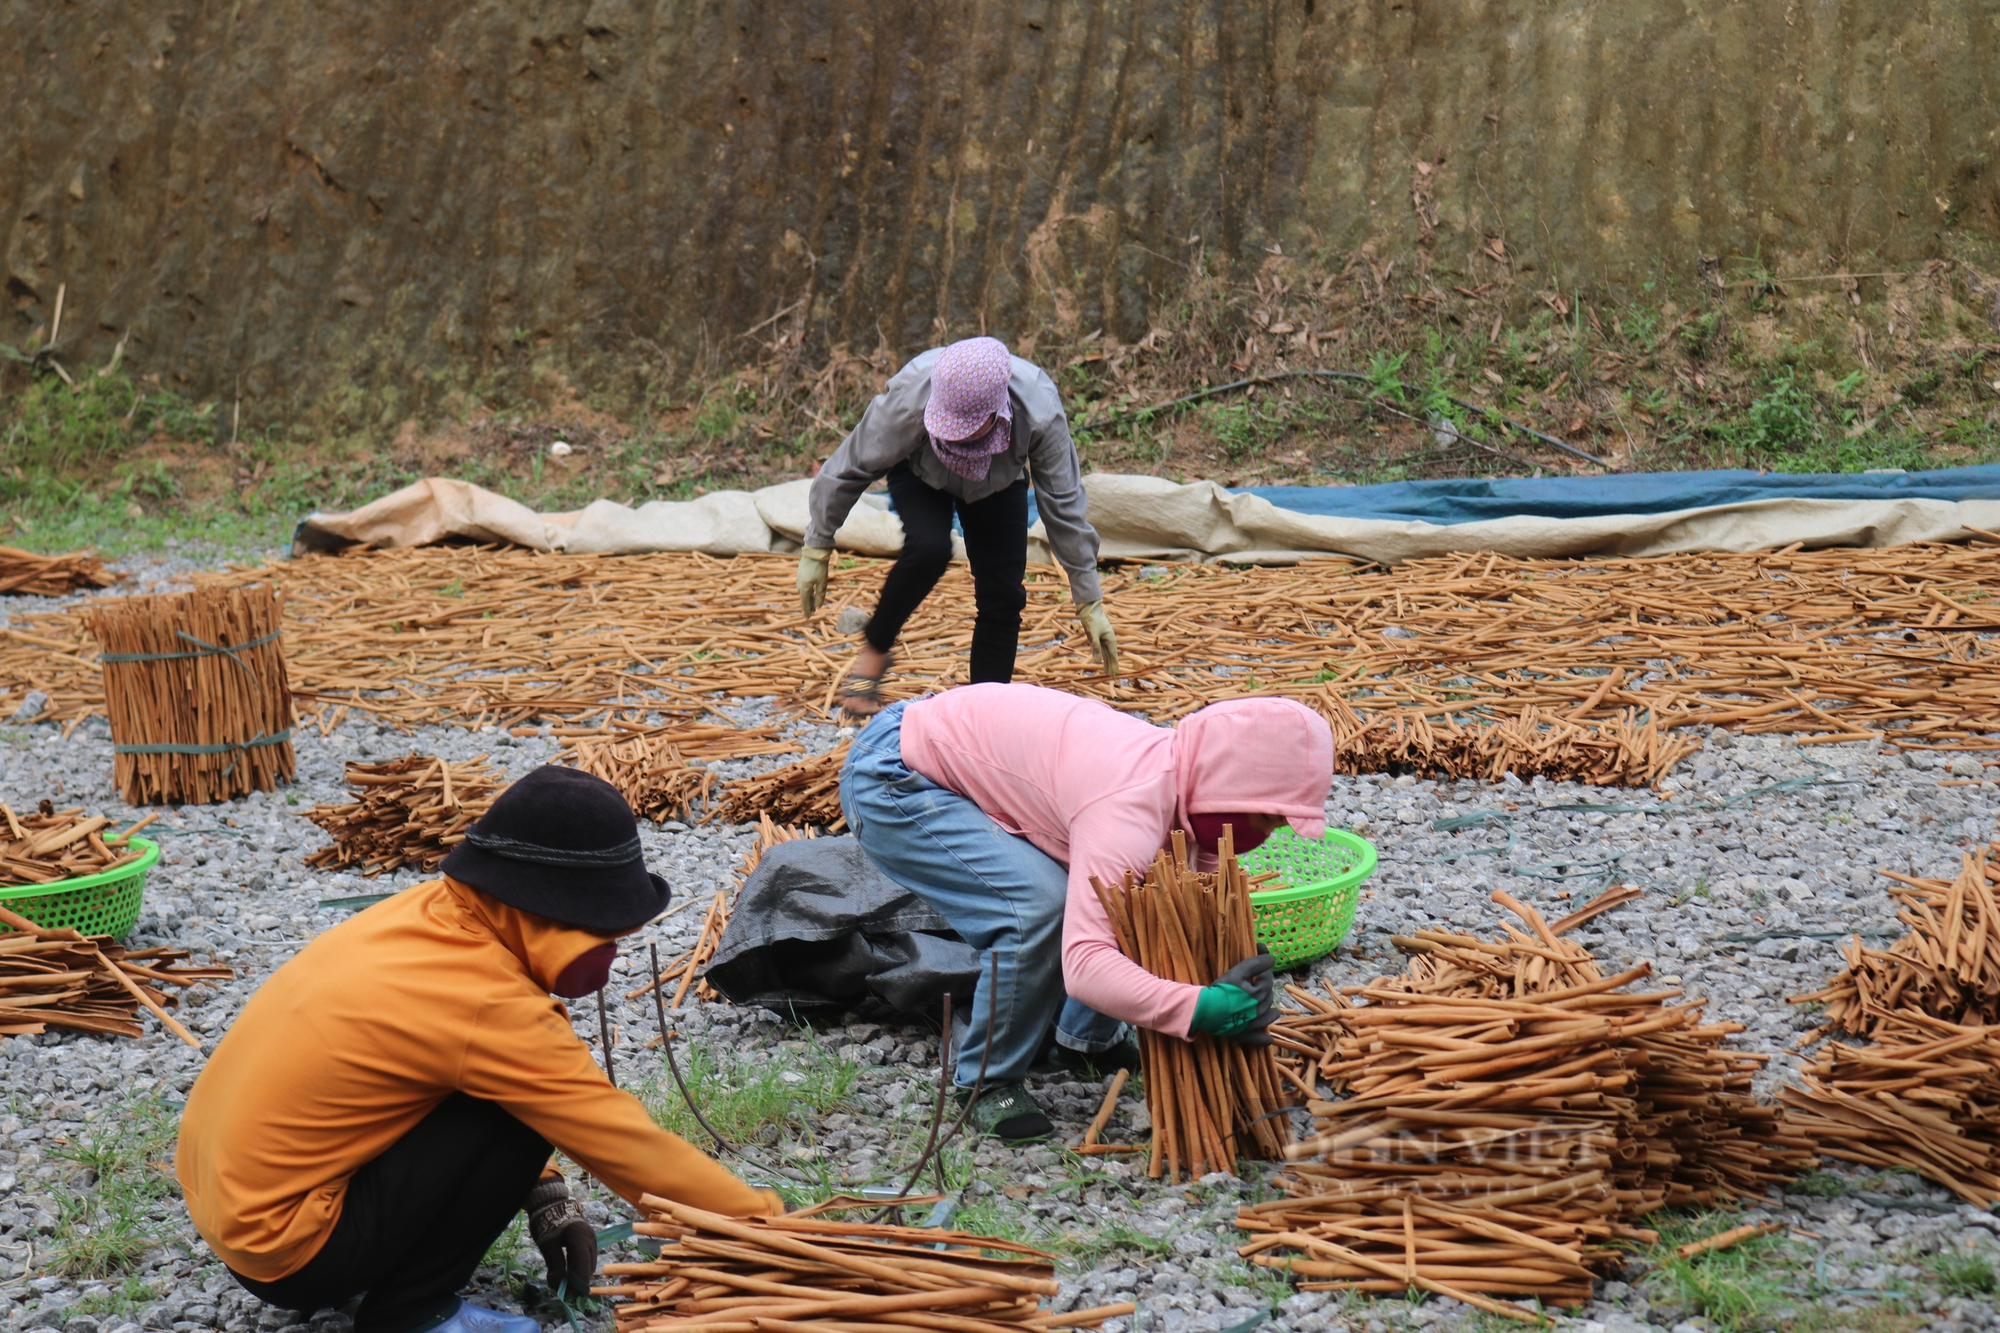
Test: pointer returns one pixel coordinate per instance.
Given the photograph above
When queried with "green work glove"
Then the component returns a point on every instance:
(812, 578)
(1223, 1011)
(1102, 641)
(1239, 1004)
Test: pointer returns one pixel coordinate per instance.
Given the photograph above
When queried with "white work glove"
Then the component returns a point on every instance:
(1102, 641)
(812, 578)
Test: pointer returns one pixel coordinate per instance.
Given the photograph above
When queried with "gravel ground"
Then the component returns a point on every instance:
(1717, 864)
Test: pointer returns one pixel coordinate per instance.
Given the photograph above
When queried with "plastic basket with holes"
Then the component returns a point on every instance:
(102, 904)
(1307, 911)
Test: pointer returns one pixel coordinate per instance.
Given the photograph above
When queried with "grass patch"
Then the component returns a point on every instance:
(124, 1298)
(750, 1098)
(1737, 1288)
(1963, 1273)
(105, 1222)
(1819, 1185)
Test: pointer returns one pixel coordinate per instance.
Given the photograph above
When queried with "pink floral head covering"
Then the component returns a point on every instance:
(968, 390)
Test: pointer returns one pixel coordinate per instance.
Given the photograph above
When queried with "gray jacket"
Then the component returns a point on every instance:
(892, 431)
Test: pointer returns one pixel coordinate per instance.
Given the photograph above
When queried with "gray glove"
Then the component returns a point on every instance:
(1256, 977)
(567, 1241)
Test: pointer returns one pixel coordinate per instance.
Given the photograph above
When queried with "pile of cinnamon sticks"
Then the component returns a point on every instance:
(51, 575)
(1436, 743)
(59, 978)
(805, 792)
(1947, 967)
(811, 1270)
(1925, 1095)
(196, 688)
(1212, 1100)
(52, 844)
(409, 811)
(1504, 1112)
(661, 770)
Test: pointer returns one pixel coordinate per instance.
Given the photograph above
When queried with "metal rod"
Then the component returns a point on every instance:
(673, 1065)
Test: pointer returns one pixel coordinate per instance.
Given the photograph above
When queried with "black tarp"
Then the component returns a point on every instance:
(818, 927)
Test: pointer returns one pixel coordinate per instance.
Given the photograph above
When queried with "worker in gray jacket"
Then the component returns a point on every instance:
(961, 428)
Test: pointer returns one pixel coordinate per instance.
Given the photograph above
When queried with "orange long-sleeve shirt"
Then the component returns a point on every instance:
(440, 989)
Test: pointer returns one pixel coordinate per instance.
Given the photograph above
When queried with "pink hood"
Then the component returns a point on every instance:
(1102, 793)
(1256, 757)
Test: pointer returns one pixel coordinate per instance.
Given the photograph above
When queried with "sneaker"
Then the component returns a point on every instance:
(1102, 1064)
(1009, 1114)
(470, 1318)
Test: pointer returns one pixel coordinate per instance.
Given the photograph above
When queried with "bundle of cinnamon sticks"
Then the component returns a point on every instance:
(195, 685)
(1212, 1100)
(1504, 1112)
(660, 770)
(409, 811)
(1925, 1095)
(811, 1270)
(1947, 967)
(805, 792)
(52, 844)
(51, 575)
(59, 978)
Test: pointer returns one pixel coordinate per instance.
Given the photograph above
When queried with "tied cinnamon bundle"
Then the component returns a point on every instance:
(195, 685)
(808, 1270)
(1212, 1100)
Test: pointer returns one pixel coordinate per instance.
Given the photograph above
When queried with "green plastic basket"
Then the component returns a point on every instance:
(105, 904)
(1312, 913)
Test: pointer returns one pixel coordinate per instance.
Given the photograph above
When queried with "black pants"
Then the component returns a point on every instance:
(996, 543)
(419, 1218)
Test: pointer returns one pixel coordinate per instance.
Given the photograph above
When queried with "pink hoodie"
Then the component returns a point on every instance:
(1102, 792)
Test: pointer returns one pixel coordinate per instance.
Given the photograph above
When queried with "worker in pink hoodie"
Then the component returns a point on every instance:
(998, 804)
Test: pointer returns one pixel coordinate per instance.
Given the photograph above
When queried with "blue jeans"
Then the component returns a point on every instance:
(1001, 893)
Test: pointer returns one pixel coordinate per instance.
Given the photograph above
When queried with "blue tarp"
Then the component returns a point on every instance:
(1468, 500)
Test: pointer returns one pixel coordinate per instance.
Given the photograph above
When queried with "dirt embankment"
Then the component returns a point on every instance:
(359, 207)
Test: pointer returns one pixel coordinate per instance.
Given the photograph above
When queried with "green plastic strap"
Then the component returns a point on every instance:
(276, 738)
(207, 650)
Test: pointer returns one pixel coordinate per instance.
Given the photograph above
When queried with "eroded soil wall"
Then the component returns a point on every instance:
(370, 202)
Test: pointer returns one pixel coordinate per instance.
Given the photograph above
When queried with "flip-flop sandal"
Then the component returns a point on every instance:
(868, 689)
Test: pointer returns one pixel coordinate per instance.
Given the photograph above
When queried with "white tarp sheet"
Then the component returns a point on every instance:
(1143, 518)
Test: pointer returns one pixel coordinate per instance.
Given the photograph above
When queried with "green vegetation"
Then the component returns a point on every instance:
(124, 1298)
(1736, 1288)
(1963, 1273)
(1752, 369)
(750, 1098)
(105, 1219)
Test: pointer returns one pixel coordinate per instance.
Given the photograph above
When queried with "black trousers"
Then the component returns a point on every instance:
(996, 544)
(419, 1218)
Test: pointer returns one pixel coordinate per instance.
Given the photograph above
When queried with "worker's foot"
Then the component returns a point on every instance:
(861, 690)
(1008, 1113)
(1101, 1064)
(470, 1318)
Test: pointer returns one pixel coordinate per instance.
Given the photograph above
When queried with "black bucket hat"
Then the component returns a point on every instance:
(563, 845)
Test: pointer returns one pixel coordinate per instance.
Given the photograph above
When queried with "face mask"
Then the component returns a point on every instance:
(587, 974)
(1207, 830)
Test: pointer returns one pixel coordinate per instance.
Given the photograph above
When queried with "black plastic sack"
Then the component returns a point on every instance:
(819, 928)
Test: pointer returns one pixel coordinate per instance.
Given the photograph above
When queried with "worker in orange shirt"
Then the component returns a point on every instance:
(387, 1101)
